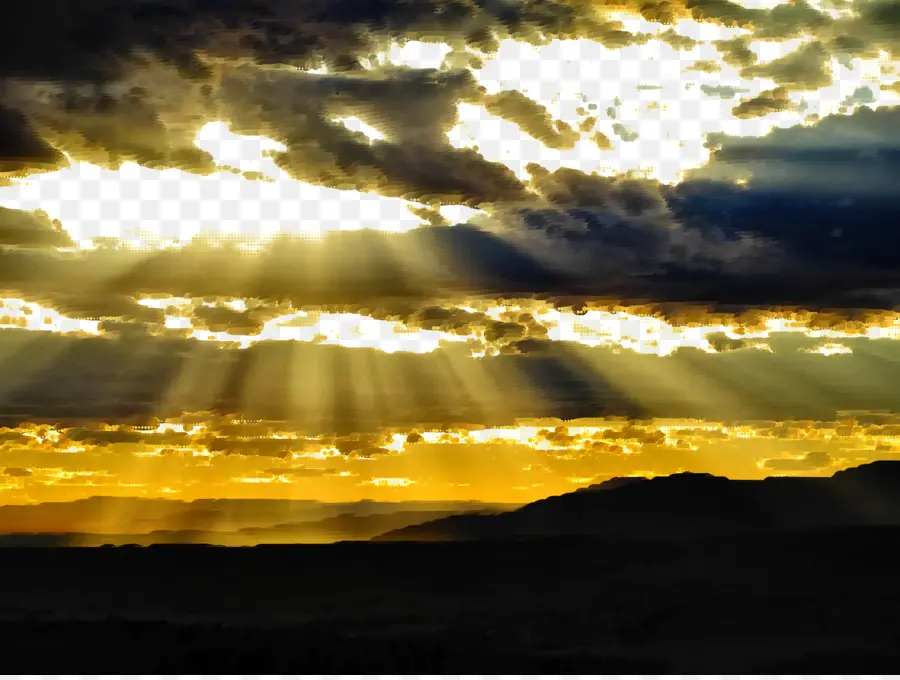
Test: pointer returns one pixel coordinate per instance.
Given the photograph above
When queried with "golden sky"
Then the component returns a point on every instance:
(445, 219)
(189, 459)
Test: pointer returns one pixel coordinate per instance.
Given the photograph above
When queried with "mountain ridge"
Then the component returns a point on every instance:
(686, 505)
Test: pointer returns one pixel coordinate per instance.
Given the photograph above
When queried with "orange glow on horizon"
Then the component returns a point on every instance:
(227, 458)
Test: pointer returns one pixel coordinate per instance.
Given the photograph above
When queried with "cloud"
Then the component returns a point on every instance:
(861, 95)
(736, 52)
(413, 109)
(724, 12)
(301, 472)
(22, 150)
(100, 304)
(814, 460)
(532, 118)
(225, 320)
(871, 27)
(624, 133)
(102, 128)
(767, 102)
(601, 141)
(676, 40)
(824, 191)
(807, 68)
(723, 91)
(274, 448)
(453, 320)
(613, 228)
(31, 229)
(793, 20)
(705, 66)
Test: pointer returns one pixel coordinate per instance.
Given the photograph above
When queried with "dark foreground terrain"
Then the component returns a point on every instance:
(813, 602)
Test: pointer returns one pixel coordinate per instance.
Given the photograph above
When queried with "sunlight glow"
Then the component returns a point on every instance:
(357, 125)
(145, 209)
(29, 316)
(413, 54)
(830, 349)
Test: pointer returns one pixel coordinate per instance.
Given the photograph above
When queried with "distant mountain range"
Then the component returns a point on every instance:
(687, 505)
(233, 522)
(680, 506)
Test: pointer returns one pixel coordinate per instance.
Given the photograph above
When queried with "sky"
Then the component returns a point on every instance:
(273, 249)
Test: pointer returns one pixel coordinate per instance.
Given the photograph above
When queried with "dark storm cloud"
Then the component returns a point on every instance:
(819, 201)
(98, 127)
(413, 109)
(101, 39)
(409, 105)
(567, 187)
(767, 243)
(827, 192)
(95, 56)
(847, 157)
(621, 227)
(22, 150)
(724, 12)
(83, 84)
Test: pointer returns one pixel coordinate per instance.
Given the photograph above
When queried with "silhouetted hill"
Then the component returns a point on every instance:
(686, 505)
